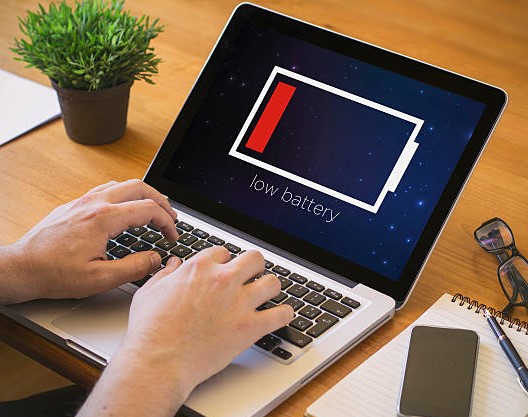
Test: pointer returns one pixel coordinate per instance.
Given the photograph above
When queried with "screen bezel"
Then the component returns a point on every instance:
(493, 98)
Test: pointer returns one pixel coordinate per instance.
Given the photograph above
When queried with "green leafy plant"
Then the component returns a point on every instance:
(93, 46)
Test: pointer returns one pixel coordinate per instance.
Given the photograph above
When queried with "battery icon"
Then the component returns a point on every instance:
(328, 139)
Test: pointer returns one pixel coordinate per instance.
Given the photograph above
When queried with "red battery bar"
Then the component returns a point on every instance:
(270, 117)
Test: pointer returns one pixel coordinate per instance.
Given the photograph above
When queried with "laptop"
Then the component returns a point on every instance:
(339, 160)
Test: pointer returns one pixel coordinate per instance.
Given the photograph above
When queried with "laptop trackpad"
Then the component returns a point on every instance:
(100, 321)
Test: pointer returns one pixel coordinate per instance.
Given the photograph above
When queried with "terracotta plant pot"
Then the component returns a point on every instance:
(94, 117)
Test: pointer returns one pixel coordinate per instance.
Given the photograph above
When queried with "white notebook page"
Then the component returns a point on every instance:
(374, 387)
(24, 105)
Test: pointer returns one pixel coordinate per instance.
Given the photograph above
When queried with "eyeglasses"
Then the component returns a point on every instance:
(496, 237)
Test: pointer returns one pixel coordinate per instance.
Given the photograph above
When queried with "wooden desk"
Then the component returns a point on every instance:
(486, 40)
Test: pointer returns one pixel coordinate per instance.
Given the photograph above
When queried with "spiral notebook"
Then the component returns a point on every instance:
(373, 388)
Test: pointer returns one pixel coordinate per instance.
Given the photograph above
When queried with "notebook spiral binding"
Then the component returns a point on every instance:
(479, 307)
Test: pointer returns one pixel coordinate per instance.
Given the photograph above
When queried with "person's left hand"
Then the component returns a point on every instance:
(64, 256)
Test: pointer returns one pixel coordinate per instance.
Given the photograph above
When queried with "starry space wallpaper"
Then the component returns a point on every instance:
(335, 142)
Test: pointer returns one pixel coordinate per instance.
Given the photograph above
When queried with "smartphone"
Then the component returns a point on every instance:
(439, 373)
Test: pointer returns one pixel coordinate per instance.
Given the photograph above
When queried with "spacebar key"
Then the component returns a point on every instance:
(293, 336)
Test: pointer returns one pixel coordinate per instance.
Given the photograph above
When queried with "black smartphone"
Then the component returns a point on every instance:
(439, 373)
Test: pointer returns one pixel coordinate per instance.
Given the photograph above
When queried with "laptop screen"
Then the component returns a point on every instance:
(339, 152)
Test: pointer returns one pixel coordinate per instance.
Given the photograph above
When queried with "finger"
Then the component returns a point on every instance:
(172, 265)
(138, 213)
(247, 265)
(137, 190)
(110, 274)
(262, 290)
(272, 319)
(218, 254)
(102, 187)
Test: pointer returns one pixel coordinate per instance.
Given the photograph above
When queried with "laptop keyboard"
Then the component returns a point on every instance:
(317, 307)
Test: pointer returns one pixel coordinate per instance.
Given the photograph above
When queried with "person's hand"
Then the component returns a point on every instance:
(64, 255)
(185, 324)
(202, 313)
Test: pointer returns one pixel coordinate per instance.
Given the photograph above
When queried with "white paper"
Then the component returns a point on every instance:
(373, 388)
(24, 105)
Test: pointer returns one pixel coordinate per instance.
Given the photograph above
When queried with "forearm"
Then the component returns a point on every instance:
(137, 383)
(15, 284)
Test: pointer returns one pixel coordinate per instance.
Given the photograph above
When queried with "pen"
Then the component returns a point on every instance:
(509, 349)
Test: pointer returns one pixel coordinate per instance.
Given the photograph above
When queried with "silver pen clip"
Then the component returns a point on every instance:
(522, 386)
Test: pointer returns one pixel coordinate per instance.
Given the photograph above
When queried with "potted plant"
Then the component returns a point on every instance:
(92, 53)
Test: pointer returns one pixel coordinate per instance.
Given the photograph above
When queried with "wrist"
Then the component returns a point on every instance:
(15, 286)
(160, 362)
(137, 369)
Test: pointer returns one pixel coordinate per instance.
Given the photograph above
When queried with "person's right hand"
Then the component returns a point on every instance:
(196, 317)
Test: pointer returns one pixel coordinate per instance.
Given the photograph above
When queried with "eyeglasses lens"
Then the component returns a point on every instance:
(512, 275)
(495, 235)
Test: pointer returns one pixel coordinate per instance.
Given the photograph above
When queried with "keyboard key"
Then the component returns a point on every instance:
(280, 270)
(293, 336)
(268, 342)
(140, 246)
(285, 282)
(181, 251)
(153, 227)
(110, 245)
(315, 286)
(180, 231)
(125, 239)
(268, 264)
(297, 290)
(300, 323)
(294, 302)
(187, 239)
(281, 353)
(190, 255)
(322, 324)
(119, 251)
(336, 308)
(142, 281)
(350, 302)
(310, 312)
(166, 244)
(161, 252)
(327, 318)
(266, 305)
(314, 298)
(298, 278)
(201, 245)
(166, 259)
(232, 248)
(184, 226)
(200, 233)
(151, 237)
(279, 298)
(137, 230)
(332, 294)
(215, 240)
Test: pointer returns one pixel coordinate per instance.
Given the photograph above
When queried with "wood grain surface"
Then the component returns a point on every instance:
(486, 40)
